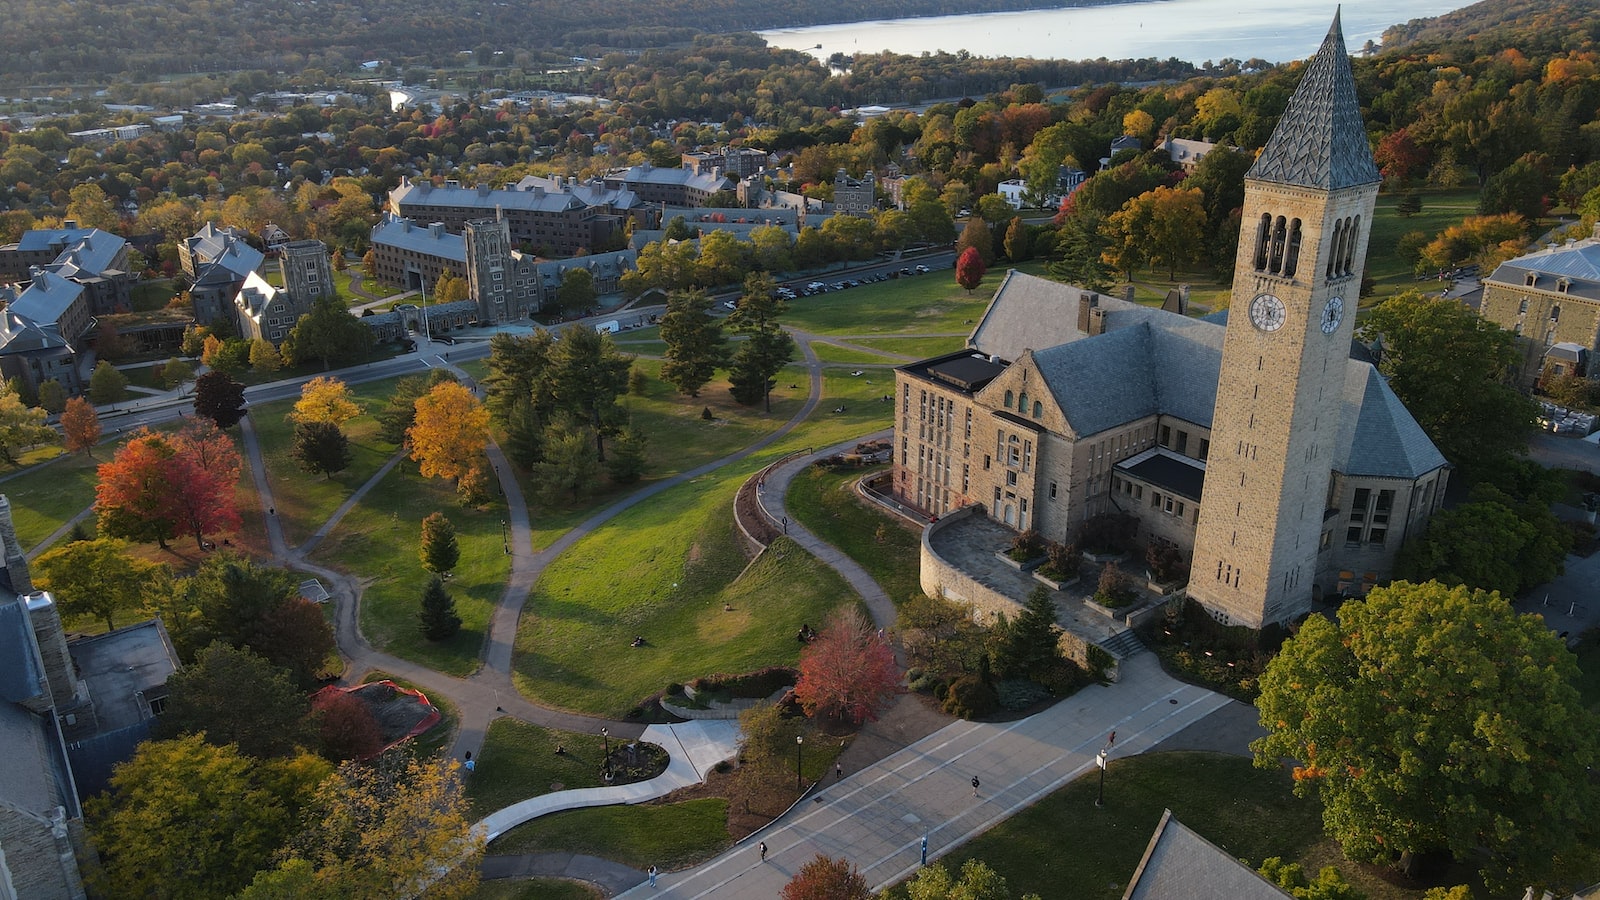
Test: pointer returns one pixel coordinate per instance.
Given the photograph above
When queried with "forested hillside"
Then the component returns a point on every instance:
(66, 40)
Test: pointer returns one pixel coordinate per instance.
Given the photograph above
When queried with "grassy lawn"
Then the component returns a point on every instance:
(46, 496)
(378, 541)
(145, 377)
(304, 502)
(679, 440)
(1440, 209)
(519, 761)
(145, 296)
(919, 347)
(1064, 847)
(926, 304)
(833, 353)
(826, 503)
(864, 408)
(665, 570)
(537, 889)
(670, 836)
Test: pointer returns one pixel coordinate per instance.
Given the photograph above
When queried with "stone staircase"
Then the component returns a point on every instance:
(1123, 644)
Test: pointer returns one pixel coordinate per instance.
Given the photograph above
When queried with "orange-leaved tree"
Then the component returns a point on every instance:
(826, 878)
(81, 426)
(848, 670)
(158, 486)
(450, 432)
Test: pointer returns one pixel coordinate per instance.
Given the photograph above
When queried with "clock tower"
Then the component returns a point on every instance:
(1302, 247)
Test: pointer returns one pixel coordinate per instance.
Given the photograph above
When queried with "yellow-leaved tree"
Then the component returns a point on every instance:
(324, 399)
(450, 432)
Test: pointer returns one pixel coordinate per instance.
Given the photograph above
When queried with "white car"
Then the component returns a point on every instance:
(729, 304)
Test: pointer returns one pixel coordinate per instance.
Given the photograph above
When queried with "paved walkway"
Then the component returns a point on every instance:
(694, 747)
(877, 817)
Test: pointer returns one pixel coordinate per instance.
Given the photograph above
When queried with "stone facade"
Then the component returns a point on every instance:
(1549, 297)
(307, 275)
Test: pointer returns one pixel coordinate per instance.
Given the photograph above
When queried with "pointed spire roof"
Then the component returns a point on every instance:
(1321, 141)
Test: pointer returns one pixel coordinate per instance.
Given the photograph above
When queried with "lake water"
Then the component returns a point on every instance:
(1192, 30)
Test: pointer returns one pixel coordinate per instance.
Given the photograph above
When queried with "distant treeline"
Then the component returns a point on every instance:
(54, 41)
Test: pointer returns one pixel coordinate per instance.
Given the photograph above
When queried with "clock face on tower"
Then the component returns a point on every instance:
(1332, 315)
(1266, 312)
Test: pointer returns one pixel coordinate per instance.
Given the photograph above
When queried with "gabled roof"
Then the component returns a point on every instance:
(46, 299)
(49, 238)
(1179, 864)
(424, 194)
(393, 231)
(1386, 440)
(1133, 372)
(22, 335)
(1320, 142)
(256, 295)
(94, 254)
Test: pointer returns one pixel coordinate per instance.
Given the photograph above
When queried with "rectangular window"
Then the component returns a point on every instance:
(1052, 490)
(1353, 535)
(1358, 507)
(1166, 435)
(986, 461)
(1155, 499)
(1377, 535)
(1205, 448)
(1011, 478)
(1183, 442)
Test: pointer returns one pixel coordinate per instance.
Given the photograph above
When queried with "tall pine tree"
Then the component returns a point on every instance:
(696, 346)
(438, 615)
(440, 552)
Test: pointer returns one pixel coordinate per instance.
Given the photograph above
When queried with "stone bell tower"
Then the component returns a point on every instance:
(1302, 247)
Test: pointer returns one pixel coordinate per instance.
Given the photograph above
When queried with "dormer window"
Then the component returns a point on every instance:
(1563, 285)
(1530, 279)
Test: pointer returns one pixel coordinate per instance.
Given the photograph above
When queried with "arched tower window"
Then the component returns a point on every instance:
(1333, 247)
(1278, 237)
(1291, 259)
(1350, 245)
(1038, 410)
(1022, 402)
(1263, 231)
(1009, 398)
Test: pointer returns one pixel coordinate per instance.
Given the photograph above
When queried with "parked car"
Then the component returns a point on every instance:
(922, 270)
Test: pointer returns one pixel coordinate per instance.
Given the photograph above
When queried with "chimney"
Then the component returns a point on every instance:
(1127, 294)
(52, 640)
(1086, 302)
(16, 560)
(436, 229)
(69, 224)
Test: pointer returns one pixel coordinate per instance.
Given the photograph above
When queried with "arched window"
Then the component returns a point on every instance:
(1009, 397)
(1038, 410)
(1022, 403)
(1278, 237)
(1555, 313)
(1522, 308)
(1333, 247)
(1291, 257)
(1262, 232)
(1350, 245)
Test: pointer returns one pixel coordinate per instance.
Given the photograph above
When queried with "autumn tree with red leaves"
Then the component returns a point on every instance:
(158, 486)
(848, 671)
(349, 729)
(826, 878)
(81, 426)
(970, 269)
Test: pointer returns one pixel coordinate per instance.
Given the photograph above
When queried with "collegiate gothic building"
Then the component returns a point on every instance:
(1261, 441)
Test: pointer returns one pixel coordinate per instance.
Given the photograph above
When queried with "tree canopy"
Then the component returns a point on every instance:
(848, 671)
(158, 486)
(450, 431)
(95, 578)
(1452, 369)
(325, 399)
(326, 333)
(230, 695)
(219, 398)
(1430, 718)
(696, 346)
(21, 427)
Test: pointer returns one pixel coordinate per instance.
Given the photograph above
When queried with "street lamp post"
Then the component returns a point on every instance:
(1100, 760)
(798, 742)
(605, 767)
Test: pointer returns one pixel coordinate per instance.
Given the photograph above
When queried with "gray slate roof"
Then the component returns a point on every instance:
(424, 194)
(46, 298)
(93, 253)
(1579, 262)
(1385, 441)
(22, 335)
(1151, 362)
(405, 234)
(46, 238)
(1320, 141)
(1181, 865)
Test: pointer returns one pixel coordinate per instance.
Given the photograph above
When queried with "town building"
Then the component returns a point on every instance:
(95, 259)
(1550, 299)
(266, 311)
(673, 187)
(734, 162)
(69, 712)
(1261, 441)
(1186, 153)
(216, 262)
(854, 196)
(559, 222)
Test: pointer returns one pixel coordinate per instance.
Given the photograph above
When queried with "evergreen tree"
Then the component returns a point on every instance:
(768, 349)
(438, 615)
(627, 462)
(518, 370)
(1029, 646)
(439, 550)
(321, 448)
(568, 469)
(587, 375)
(524, 442)
(696, 346)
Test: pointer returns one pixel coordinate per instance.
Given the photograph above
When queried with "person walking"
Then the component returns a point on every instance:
(652, 874)
(924, 849)
(838, 771)
(468, 763)
(763, 848)
(974, 785)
